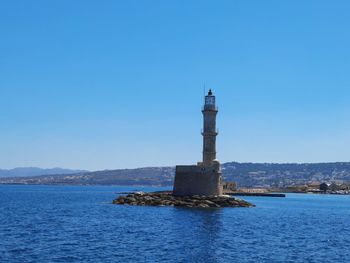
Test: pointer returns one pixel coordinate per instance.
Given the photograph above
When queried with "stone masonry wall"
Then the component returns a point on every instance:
(197, 180)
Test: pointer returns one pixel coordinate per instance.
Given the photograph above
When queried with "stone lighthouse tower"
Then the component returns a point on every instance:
(205, 177)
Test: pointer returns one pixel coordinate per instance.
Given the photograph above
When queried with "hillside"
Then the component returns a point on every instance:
(281, 175)
(141, 176)
(245, 174)
(35, 171)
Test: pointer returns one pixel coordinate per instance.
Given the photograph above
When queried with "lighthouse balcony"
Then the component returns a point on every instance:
(210, 108)
(210, 133)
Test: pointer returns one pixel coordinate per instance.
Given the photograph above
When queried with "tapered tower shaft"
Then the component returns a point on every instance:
(209, 129)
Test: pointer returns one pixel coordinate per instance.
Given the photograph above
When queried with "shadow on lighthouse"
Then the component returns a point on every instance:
(205, 177)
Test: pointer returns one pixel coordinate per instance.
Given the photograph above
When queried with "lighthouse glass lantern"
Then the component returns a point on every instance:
(210, 99)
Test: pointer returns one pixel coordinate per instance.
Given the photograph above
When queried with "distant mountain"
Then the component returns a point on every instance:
(245, 174)
(34, 171)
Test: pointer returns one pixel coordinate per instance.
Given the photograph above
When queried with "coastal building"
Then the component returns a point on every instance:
(313, 185)
(334, 187)
(229, 187)
(205, 177)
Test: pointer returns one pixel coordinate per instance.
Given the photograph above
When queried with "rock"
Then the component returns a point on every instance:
(182, 203)
(208, 202)
(131, 200)
(167, 199)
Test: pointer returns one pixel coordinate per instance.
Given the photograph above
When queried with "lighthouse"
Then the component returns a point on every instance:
(205, 177)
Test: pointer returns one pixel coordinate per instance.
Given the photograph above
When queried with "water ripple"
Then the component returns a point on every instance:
(78, 224)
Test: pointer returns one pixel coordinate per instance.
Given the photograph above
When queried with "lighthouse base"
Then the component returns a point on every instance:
(197, 180)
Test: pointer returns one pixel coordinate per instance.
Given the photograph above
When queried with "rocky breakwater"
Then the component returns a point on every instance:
(167, 199)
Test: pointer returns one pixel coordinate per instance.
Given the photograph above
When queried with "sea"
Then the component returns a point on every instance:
(79, 224)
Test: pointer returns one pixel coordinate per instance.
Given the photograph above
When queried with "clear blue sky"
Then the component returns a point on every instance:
(119, 84)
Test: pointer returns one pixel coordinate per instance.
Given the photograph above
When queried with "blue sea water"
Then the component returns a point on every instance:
(79, 224)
